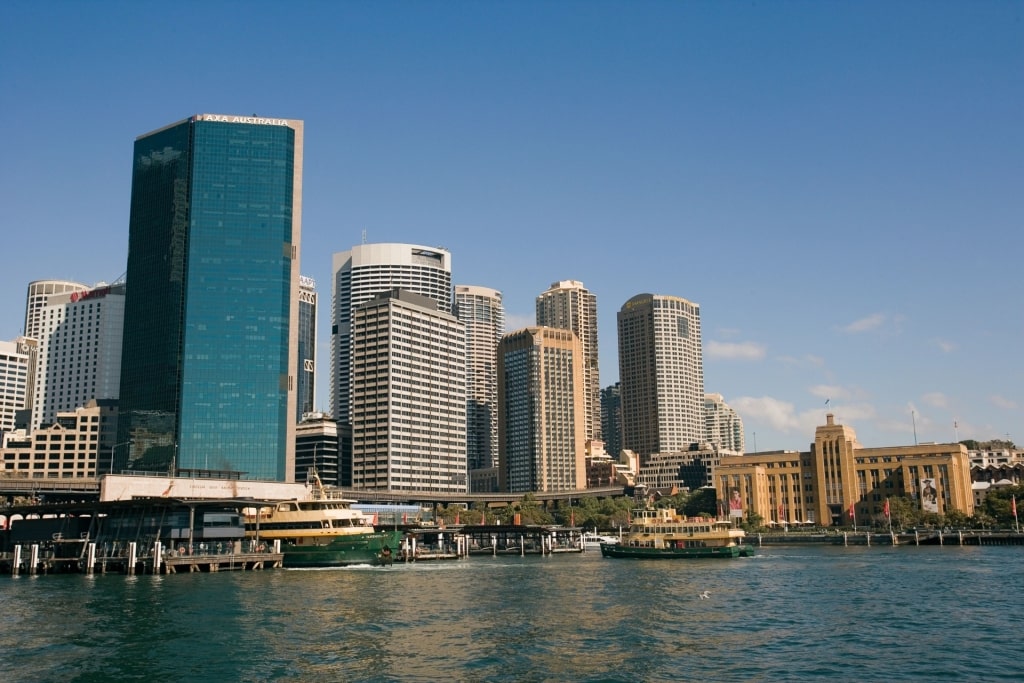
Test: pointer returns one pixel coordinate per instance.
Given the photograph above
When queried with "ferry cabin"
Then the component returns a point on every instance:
(663, 528)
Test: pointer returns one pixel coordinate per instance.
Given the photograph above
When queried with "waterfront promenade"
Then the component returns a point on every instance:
(847, 537)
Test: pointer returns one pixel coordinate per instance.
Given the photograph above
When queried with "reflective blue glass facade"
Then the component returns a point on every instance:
(306, 371)
(208, 372)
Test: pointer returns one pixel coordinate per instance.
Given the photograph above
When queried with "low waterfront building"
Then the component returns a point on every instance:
(72, 446)
(996, 465)
(839, 482)
(690, 469)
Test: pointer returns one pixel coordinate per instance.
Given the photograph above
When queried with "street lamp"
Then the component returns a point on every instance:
(112, 449)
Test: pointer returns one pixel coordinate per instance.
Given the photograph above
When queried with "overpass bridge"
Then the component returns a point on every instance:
(88, 488)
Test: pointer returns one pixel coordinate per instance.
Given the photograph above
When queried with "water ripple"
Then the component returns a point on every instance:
(789, 614)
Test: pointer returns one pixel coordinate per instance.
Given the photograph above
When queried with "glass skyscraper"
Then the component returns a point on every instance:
(210, 343)
(306, 371)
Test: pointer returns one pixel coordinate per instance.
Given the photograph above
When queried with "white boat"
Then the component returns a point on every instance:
(593, 540)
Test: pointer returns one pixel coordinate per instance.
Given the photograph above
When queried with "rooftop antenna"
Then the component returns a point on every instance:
(364, 235)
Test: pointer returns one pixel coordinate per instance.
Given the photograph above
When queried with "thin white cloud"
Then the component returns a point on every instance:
(780, 415)
(517, 321)
(813, 361)
(829, 392)
(1002, 402)
(871, 322)
(936, 399)
(945, 346)
(734, 351)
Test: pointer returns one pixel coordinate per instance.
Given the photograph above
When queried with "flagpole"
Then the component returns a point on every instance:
(1016, 522)
(888, 514)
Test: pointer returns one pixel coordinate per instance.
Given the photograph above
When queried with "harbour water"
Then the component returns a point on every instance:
(803, 613)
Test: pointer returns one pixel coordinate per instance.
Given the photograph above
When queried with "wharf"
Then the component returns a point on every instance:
(886, 538)
(456, 542)
(76, 558)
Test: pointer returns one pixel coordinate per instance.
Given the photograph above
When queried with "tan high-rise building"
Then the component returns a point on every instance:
(481, 311)
(569, 305)
(540, 397)
(661, 374)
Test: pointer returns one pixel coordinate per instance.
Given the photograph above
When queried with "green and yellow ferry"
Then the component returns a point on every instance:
(323, 531)
(663, 533)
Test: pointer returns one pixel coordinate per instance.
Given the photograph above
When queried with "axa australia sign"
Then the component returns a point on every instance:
(223, 118)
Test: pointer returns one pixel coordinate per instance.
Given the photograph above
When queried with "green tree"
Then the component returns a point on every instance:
(999, 504)
(957, 519)
(530, 511)
(903, 512)
(702, 502)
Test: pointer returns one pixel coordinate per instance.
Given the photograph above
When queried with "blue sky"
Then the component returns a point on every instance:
(837, 184)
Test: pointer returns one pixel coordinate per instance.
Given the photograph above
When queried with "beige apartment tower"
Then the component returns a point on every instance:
(568, 305)
(481, 311)
(661, 374)
(540, 395)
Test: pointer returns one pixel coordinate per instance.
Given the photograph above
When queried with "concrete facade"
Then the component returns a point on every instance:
(541, 409)
(838, 476)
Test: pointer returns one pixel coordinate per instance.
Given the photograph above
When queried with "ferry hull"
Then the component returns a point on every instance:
(618, 550)
(340, 552)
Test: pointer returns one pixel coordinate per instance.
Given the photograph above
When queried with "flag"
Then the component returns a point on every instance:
(456, 516)
(572, 518)
(887, 507)
(375, 519)
(851, 510)
(1013, 505)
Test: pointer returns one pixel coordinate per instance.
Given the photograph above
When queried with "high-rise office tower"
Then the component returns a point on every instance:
(661, 374)
(79, 353)
(15, 369)
(722, 424)
(365, 271)
(540, 426)
(408, 395)
(39, 293)
(210, 354)
(570, 306)
(306, 371)
(611, 419)
(481, 311)
(316, 449)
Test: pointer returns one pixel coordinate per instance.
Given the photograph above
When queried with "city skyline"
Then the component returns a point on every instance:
(842, 174)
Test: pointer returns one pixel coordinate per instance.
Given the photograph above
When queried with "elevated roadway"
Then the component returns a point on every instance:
(88, 488)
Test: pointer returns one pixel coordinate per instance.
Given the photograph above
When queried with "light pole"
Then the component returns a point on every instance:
(112, 449)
